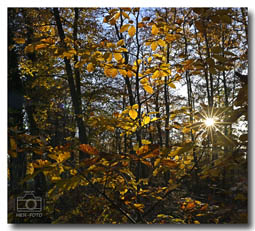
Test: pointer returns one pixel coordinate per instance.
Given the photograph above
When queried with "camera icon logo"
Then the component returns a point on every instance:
(29, 203)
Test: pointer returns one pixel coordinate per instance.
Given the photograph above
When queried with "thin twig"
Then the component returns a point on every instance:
(103, 194)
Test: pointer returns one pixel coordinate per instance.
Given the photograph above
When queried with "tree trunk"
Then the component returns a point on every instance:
(75, 91)
(17, 165)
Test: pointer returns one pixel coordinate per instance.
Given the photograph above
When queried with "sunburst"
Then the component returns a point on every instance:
(211, 120)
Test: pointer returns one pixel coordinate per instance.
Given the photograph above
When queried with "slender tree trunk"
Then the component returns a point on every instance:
(75, 91)
(205, 71)
(158, 124)
(191, 108)
(167, 107)
(17, 165)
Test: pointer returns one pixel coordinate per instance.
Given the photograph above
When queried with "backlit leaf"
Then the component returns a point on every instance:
(130, 73)
(146, 120)
(125, 14)
(120, 43)
(154, 30)
(148, 89)
(90, 67)
(172, 85)
(139, 207)
(41, 46)
(190, 205)
(161, 42)
(124, 28)
(145, 141)
(20, 40)
(154, 45)
(131, 31)
(133, 114)
(117, 56)
(123, 72)
(135, 106)
(143, 149)
(156, 162)
(156, 74)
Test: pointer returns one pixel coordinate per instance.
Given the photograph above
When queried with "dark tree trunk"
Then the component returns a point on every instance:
(17, 165)
(74, 90)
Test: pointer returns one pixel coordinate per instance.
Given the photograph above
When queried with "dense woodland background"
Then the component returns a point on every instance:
(107, 111)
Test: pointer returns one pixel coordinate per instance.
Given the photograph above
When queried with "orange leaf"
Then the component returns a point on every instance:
(90, 67)
(169, 163)
(88, 149)
(204, 207)
(190, 205)
(143, 149)
(131, 31)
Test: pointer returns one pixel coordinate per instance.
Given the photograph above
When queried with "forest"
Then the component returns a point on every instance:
(128, 115)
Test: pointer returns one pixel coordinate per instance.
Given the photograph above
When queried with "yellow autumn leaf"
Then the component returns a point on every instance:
(182, 166)
(124, 28)
(117, 56)
(29, 48)
(156, 162)
(149, 59)
(72, 51)
(40, 46)
(145, 141)
(109, 59)
(135, 106)
(114, 72)
(187, 161)
(131, 31)
(123, 72)
(185, 130)
(146, 120)
(117, 15)
(120, 43)
(90, 67)
(107, 71)
(161, 42)
(20, 40)
(139, 206)
(65, 54)
(125, 14)
(148, 89)
(133, 114)
(73, 172)
(154, 29)
(154, 45)
(144, 81)
(172, 85)
(156, 74)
